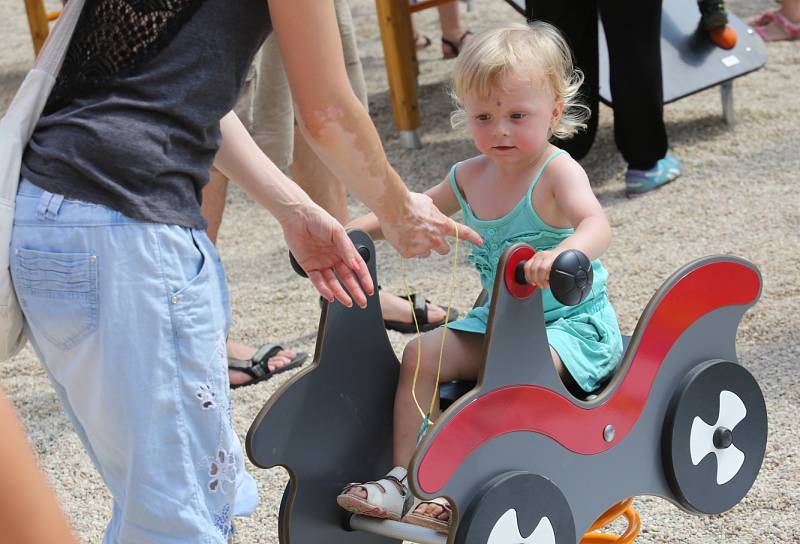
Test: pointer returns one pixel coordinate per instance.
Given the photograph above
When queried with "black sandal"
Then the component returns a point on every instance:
(455, 48)
(257, 367)
(421, 311)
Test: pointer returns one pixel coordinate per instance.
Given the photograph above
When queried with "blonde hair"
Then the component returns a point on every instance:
(521, 50)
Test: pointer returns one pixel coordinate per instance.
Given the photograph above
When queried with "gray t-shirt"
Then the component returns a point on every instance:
(144, 143)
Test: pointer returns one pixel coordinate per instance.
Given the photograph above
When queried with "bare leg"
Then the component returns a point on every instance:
(452, 29)
(461, 361)
(213, 208)
(450, 21)
(469, 351)
(791, 10)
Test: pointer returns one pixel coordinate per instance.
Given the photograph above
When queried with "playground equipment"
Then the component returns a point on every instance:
(691, 62)
(519, 457)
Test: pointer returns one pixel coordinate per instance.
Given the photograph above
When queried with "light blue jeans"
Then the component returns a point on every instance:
(130, 320)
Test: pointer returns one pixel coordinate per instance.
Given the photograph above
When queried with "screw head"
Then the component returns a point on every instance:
(609, 433)
(723, 438)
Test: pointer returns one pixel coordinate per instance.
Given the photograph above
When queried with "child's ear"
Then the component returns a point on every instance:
(558, 109)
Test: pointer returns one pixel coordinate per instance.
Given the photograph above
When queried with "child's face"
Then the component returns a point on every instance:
(513, 123)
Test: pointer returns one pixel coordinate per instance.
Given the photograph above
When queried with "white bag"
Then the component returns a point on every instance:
(16, 128)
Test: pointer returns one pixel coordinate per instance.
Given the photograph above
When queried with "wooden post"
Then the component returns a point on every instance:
(38, 23)
(400, 56)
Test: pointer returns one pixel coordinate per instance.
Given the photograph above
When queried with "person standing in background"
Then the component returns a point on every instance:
(633, 36)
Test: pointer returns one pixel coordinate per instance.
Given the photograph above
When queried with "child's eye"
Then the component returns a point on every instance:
(483, 117)
(519, 115)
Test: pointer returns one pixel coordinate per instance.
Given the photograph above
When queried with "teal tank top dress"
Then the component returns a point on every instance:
(586, 336)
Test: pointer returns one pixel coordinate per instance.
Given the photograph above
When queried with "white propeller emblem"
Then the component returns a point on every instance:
(506, 531)
(701, 441)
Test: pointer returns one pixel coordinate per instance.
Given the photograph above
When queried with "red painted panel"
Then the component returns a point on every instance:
(533, 408)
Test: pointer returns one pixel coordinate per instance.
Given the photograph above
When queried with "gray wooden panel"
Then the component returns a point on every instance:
(332, 423)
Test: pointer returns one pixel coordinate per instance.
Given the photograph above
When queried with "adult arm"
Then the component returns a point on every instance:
(341, 132)
(318, 242)
(442, 197)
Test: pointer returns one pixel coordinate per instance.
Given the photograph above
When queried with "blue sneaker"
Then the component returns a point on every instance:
(638, 182)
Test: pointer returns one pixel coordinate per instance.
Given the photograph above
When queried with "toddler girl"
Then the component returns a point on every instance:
(516, 88)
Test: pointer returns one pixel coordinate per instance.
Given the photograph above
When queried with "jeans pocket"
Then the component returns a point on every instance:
(58, 294)
(194, 285)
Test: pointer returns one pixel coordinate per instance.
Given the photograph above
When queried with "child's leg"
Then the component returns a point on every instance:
(460, 361)
(569, 381)
(435, 510)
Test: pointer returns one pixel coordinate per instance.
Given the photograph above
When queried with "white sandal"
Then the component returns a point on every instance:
(388, 498)
(430, 522)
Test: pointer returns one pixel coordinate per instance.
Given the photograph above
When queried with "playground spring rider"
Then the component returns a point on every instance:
(519, 457)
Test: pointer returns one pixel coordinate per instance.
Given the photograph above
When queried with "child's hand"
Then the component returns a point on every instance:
(537, 269)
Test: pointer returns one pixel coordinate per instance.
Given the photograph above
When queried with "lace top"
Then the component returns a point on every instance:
(113, 36)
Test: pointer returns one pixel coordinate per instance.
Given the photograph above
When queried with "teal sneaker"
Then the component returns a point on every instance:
(638, 182)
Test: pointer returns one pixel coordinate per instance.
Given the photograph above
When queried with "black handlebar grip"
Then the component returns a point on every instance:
(362, 250)
(519, 273)
(570, 277)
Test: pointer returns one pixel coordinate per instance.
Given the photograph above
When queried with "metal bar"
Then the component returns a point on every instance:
(396, 529)
(728, 112)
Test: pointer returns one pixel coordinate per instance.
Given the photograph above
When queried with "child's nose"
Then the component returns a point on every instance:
(501, 129)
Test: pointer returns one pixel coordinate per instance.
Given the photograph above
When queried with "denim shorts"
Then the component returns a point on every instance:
(130, 321)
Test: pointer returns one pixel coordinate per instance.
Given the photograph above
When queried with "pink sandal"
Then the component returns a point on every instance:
(765, 18)
(791, 31)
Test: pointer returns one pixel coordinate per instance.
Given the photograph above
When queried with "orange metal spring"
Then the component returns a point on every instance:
(622, 508)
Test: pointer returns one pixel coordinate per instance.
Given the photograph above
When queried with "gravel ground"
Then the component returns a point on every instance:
(736, 197)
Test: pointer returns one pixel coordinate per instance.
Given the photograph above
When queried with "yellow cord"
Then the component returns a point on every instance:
(426, 418)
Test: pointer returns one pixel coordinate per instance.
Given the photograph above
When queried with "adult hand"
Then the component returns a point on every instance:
(421, 227)
(322, 248)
